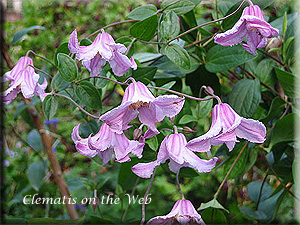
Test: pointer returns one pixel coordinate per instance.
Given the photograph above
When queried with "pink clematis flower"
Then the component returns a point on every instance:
(101, 50)
(226, 126)
(105, 143)
(23, 79)
(251, 24)
(138, 99)
(173, 148)
(183, 212)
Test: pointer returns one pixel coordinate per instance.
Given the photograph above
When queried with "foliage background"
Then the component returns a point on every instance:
(25, 174)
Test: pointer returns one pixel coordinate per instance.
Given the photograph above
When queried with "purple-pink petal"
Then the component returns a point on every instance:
(252, 130)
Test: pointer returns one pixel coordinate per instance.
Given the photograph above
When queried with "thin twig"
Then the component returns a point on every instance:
(111, 25)
(210, 22)
(145, 196)
(106, 78)
(178, 184)
(39, 70)
(42, 57)
(130, 45)
(278, 61)
(75, 103)
(230, 169)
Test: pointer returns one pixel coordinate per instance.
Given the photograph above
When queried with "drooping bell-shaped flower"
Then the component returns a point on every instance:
(226, 126)
(138, 99)
(101, 50)
(173, 147)
(251, 24)
(106, 143)
(23, 79)
(183, 212)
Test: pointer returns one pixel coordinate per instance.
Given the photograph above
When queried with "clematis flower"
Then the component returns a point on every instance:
(173, 148)
(226, 126)
(183, 212)
(101, 50)
(23, 79)
(138, 99)
(105, 143)
(251, 24)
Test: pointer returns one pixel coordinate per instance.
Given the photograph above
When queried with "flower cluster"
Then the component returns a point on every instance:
(102, 50)
(23, 79)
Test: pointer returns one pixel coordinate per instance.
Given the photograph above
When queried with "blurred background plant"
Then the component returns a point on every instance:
(26, 166)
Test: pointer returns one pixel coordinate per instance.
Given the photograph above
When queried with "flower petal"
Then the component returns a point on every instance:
(106, 155)
(73, 42)
(144, 170)
(167, 105)
(30, 81)
(202, 166)
(175, 145)
(147, 116)
(102, 140)
(94, 65)
(233, 36)
(252, 130)
(120, 64)
(118, 118)
(137, 91)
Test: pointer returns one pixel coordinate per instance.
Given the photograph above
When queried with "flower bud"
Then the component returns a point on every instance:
(208, 90)
(188, 130)
(137, 133)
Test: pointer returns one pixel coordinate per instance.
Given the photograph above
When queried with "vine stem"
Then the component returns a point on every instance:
(106, 78)
(178, 184)
(111, 25)
(39, 70)
(42, 57)
(230, 169)
(83, 110)
(145, 196)
(210, 22)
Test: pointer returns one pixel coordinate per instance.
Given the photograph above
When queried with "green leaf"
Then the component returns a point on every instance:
(178, 55)
(213, 216)
(249, 212)
(145, 29)
(205, 107)
(35, 141)
(220, 58)
(254, 188)
(18, 36)
(58, 83)
(284, 130)
(142, 12)
(287, 81)
(126, 178)
(50, 105)
(245, 97)
(85, 42)
(36, 174)
(144, 74)
(213, 204)
(67, 67)
(168, 27)
(276, 109)
(180, 8)
(187, 119)
(264, 72)
(145, 56)
(168, 85)
(284, 24)
(187, 172)
(153, 143)
(88, 95)
(63, 48)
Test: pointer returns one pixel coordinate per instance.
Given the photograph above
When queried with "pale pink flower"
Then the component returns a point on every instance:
(101, 50)
(226, 126)
(106, 143)
(138, 100)
(251, 24)
(23, 79)
(183, 212)
(173, 147)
